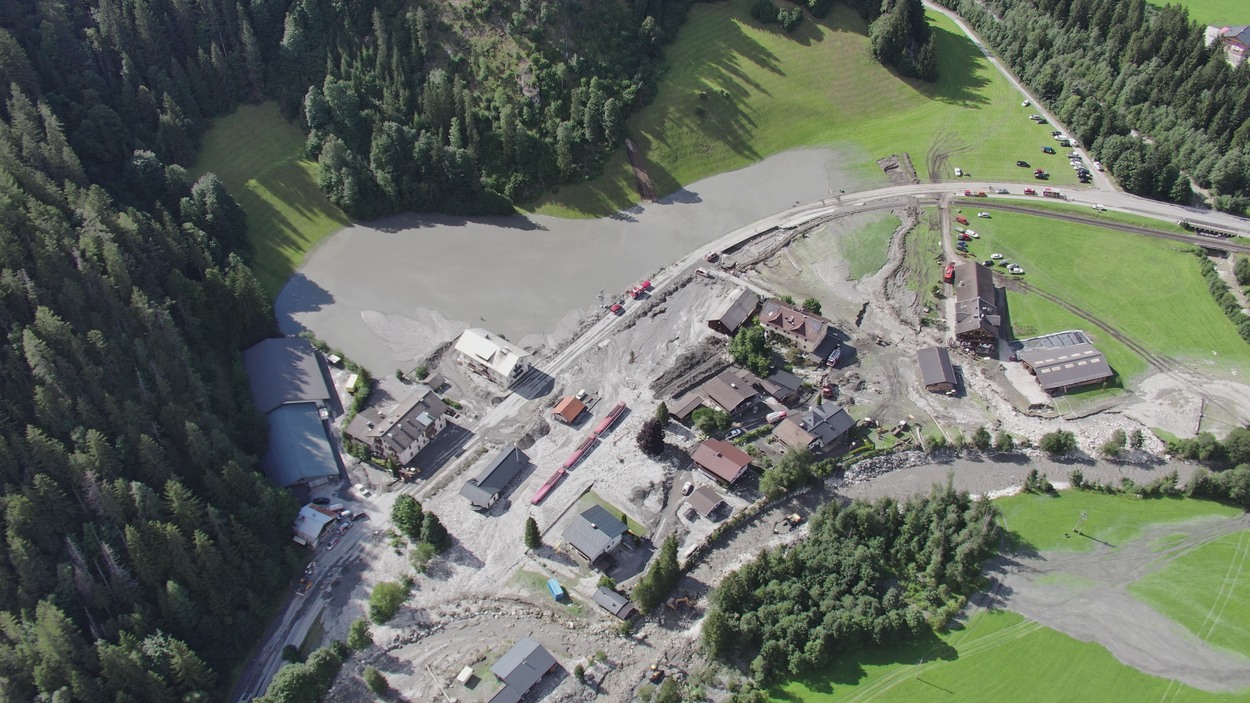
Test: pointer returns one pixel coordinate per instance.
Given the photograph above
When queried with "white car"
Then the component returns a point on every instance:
(1098, 165)
(972, 234)
(983, 214)
(959, 172)
(686, 488)
(996, 256)
(1026, 103)
(1016, 270)
(1001, 191)
(735, 432)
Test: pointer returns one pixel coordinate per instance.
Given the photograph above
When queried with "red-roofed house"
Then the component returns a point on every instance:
(721, 460)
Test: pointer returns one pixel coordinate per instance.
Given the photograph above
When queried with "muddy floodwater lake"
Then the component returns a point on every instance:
(388, 292)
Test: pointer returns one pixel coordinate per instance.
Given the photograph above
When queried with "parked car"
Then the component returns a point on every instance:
(1098, 165)
(1016, 270)
(1056, 133)
(1048, 150)
(735, 432)
(959, 172)
(996, 256)
(972, 233)
(1001, 191)
(686, 488)
(703, 272)
(1025, 103)
(987, 262)
(1030, 191)
(1025, 164)
(983, 214)
(321, 500)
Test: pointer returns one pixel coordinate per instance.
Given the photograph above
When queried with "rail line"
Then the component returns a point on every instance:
(1204, 242)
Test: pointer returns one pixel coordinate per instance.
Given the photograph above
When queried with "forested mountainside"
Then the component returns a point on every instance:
(1137, 84)
(140, 549)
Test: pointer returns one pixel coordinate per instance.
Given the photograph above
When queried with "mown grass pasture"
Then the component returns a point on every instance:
(258, 154)
(1220, 12)
(736, 92)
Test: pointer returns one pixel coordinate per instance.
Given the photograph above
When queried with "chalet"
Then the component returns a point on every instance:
(1060, 369)
(594, 533)
(291, 391)
(721, 460)
(683, 407)
(492, 356)
(729, 392)
(782, 386)
(977, 317)
(734, 311)
(1234, 39)
(519, 669)
(401, 432)
(614, 603)
(483, 491)
(936, 372)
(568, 410)
(819, 428)
(812, 334)
(311, 524)
(704, 501)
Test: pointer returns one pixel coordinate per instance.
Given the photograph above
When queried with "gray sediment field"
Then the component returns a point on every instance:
(388, 292)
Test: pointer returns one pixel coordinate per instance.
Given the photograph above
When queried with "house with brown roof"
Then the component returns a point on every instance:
(936, 372)
(735, 310)
(977, 317)
(684, 406)
(401, 432)
(729, 392)
(812, 334)
(819, 428)
(721, 460)
(1060, 369)
(568, 410)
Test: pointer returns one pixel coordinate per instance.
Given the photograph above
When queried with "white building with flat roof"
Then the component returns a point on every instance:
(492, 356)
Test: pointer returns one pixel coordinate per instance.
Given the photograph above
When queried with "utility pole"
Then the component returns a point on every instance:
(1080, 522)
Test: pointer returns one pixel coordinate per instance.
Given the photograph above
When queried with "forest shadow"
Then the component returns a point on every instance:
(852, 666)
(958, 80)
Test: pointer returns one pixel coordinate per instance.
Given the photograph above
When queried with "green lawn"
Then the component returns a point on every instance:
(258, 154)
(866, 247)
(1033, 315)
(1147, 289)
(592, 498)
(1127, 218)
(1206, 590)
(1221, 12)
(1046, 522)
(735, 92)
(998, 656)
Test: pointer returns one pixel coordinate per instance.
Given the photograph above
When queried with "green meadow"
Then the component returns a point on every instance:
(1221, 12)
(735, 92)
(258, 154)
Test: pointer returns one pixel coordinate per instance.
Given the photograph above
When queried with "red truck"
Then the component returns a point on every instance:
(961, 219)
(1051, 193)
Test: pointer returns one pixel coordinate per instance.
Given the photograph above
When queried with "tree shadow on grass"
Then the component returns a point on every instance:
(961, 66)
(850, 667)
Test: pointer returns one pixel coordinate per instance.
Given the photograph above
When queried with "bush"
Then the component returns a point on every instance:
(385, 601)
(433, 533)
(358, 635)
(1114, 447)
(811, 305)
(981, 438)
(606, 581)
(407, 516)
(376, 681)
(790, 20)
(1004, 443)
(793, 470)
(1077, 479)
(651, 437)
(291, 653)
(709, 420)
(533, 538)
(580, 672)
(1058, 443)
(661, 413)
(421, 556)
(421, 372)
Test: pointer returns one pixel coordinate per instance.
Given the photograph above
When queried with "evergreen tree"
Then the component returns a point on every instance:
(533, 538)
(434, 534)
(408, 517)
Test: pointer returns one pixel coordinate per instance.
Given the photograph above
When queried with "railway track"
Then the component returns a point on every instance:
(1205, 242)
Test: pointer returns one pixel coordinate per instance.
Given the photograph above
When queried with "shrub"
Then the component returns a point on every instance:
(291, 653)
(606, 581)
(376, 681)
(709, 420)
(433, 533)
(385, 600)
(533, 538)
(407, 516)
(1114, 447)
(981, 438)
(1058, 443)
(579, 671)
(793, 470)
(1136, 439)
(651, 437)
(358, 635)
(790, 19)
(421, 372)
(661, 413)
(811, 305)
(421, 556)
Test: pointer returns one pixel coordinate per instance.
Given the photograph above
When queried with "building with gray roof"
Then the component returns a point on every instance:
(818, 428)
(736, 309)
(290, 389)
(1061, 369)
(284, 370)
(614, 603)
(594, 533)
(704, 501)
(520, 668)
(936, 372)
(728, 391)
(977, 316)
(401, 432)
(485, 489)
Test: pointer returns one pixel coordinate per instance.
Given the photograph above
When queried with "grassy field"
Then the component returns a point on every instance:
(866, 247)
(735, 92)
(1045, 522)
(1145, 288)
(1206, 591)
(1127, 218)
(258, 154)
(1221, 12)
(997, 656)
(1033, 315)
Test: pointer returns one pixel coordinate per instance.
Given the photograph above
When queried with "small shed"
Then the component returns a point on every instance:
(704, 501)
(557, 591)
(614, 603)
(568, 410)
(936, 372)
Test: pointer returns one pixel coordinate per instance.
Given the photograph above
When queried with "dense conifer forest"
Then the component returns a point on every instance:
(1135, 83)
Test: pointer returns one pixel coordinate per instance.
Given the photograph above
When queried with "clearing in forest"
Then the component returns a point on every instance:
(1220, 12)
(258, 154)
(736, 92)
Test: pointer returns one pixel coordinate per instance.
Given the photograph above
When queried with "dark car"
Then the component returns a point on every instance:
(1048, 150)
(321, 501)
(1023, 163)
(1055, 133)
(987, 262)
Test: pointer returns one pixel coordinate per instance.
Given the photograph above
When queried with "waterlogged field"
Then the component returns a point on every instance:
(736, 92)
